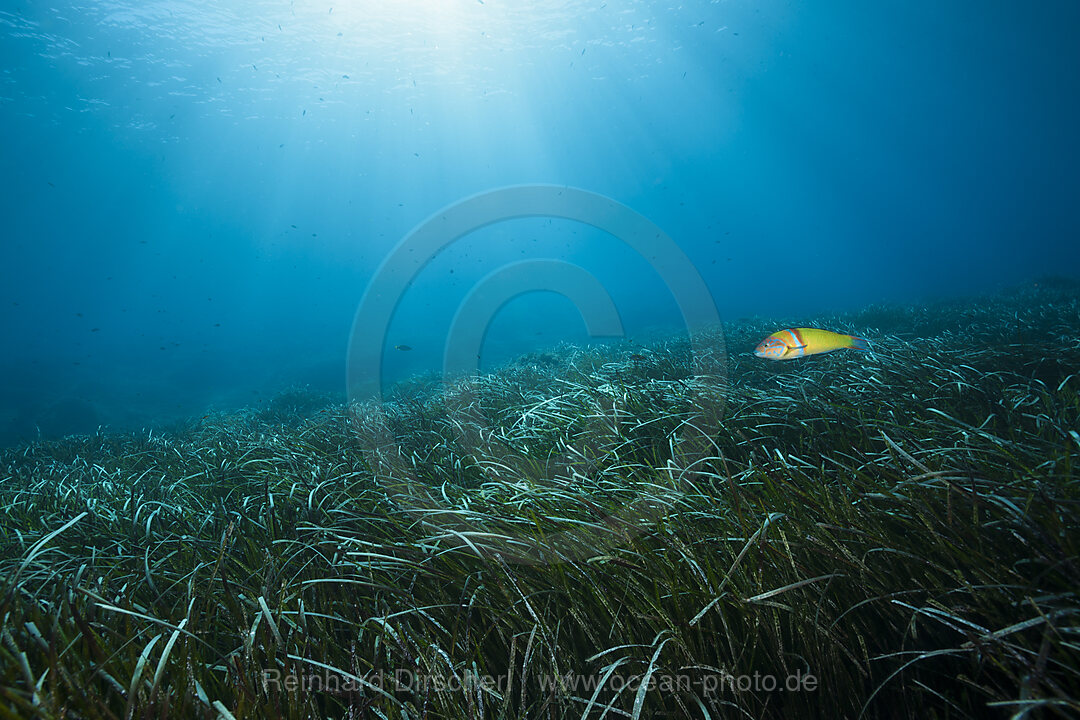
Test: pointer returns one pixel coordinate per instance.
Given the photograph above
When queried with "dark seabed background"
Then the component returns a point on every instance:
(196, 193)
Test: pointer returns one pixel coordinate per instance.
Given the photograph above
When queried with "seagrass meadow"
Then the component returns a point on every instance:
(583, 533)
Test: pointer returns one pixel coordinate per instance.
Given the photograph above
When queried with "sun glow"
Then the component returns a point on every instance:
(430, 20)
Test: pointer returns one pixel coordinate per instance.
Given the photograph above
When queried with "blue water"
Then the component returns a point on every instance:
(197, 194)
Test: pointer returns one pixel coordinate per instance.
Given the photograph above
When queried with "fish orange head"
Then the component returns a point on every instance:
(771, 347)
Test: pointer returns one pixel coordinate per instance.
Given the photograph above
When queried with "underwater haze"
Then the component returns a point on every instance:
(196, 194)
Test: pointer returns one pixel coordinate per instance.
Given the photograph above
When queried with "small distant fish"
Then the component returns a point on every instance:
(402, 347)
(637, 357)
(797, 342)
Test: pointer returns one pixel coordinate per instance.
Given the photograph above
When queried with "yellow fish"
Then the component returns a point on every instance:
(797, 342)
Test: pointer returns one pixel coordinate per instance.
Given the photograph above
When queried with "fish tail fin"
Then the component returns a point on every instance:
(858, 343)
